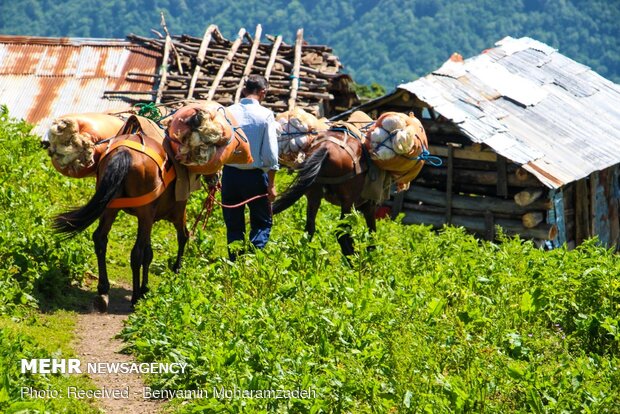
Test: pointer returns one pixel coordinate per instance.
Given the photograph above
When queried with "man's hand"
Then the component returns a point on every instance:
(272, 193)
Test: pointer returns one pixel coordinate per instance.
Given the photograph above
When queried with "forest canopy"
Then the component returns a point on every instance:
(386, 41)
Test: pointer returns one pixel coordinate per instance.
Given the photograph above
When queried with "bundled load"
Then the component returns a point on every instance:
(396, 142)
(72, 141)
(204, 136)
(296, 131)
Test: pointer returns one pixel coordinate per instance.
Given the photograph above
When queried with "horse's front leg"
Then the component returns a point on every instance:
(180, 225)
(141, 257)
(100, 239)
(314, 202)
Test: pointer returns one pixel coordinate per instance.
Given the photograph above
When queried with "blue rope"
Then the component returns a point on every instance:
(432, 160)
(234, 128)
(293, 77)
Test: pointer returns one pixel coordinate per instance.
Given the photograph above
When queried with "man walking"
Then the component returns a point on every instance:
(241, 182)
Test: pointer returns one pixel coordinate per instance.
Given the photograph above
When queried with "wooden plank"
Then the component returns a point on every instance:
(272, 57)
(479, 204)
(204, 44)
(502, 177)
(466, 153)
(295, 75)
(163, 70)
(449, 183)
(250, 63)
(489, 226)
(582, 211)
(226, 64)
(479, 225)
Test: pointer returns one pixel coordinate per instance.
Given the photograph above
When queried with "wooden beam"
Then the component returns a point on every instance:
(467, 153)
(226, 64)
(582, 211)
(502, 177)
(295, 75)
(204, 44)
(450, 181)
(489, 226)
(272, 57)
(163, 70)
(250, 63)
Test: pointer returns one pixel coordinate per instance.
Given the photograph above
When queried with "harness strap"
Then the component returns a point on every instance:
(167, 176)
(128, 202)
(357, 167)
(138, 147)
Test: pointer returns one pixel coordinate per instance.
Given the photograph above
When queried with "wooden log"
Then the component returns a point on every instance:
(250, 63)
(528, 196)
(502, 177)
(272, 57)
(164, 70)
(295, 75)
(226, 64)
(532, 219)
(204, 44)
(543, 231)
(467, 153)
(494, 204)
(479, 177)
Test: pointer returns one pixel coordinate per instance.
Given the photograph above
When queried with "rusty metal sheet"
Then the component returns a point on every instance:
(41, 78)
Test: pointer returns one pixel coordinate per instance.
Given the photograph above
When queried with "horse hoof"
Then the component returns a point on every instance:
(100, 303)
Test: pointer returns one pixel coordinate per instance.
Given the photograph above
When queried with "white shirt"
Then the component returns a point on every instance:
(259, 125)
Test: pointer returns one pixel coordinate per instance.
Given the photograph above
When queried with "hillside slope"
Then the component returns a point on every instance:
(386, 41)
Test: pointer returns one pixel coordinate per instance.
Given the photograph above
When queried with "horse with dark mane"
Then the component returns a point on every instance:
(135, 175)
(335, 169)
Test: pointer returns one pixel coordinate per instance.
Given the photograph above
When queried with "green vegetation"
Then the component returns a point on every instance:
(37, 271)
(386, 41)
(426, 322)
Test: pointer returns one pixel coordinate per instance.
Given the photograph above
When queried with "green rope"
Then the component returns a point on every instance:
(150, 111)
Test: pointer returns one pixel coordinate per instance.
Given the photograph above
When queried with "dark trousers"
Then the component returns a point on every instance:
(237, 186)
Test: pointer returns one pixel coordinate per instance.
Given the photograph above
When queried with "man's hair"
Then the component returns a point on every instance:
(256, 83)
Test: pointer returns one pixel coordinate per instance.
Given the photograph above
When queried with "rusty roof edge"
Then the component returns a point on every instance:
(63, 41)
(543, 176)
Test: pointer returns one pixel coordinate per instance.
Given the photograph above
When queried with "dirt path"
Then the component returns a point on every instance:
(96, 342)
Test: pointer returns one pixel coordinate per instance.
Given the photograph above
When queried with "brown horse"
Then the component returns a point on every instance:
(135, 175)
(335, 169)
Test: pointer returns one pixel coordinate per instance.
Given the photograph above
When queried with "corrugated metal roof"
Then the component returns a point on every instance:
(532, 105)
(42, 78)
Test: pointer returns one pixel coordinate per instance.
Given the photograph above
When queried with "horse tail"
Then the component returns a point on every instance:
(74, 221)
(306, 176)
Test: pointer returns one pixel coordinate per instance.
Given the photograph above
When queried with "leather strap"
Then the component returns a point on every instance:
(167, 176)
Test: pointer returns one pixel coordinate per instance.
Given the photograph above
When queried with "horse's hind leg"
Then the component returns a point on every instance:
(141, 256)
(368, 209)
(100, 239)
(182, 237)
(344, 231)
(314, 202)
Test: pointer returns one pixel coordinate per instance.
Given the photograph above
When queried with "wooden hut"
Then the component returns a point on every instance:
(530, 141)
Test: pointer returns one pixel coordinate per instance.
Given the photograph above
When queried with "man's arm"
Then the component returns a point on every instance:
(271, 185)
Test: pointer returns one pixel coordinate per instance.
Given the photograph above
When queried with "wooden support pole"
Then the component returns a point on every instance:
(397, 205)
(450, 181)
(272, 57)
(489, 226)
(250, 63)
(502, 177)
(163, 70)
(226, 64)
(206, 39)
(295, 75)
